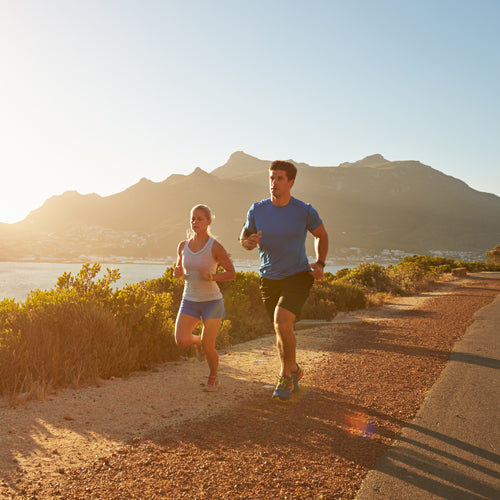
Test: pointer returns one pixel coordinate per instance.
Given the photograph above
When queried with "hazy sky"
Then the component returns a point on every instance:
(95, 94)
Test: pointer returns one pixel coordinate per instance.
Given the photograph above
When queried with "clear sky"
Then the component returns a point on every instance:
(95, 94)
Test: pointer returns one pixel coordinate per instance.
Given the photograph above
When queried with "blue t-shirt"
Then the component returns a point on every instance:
(282, 247)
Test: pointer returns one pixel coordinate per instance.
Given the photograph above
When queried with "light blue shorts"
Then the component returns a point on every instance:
(210, 309)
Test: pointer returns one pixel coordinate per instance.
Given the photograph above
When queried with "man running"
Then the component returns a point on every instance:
(278, 226)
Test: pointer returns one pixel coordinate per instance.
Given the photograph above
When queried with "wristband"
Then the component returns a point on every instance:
(210, 277)
(321, 263)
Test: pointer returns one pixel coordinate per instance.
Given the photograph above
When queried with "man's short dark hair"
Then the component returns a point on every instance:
(288, 167)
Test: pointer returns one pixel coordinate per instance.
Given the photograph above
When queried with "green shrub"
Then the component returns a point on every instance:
(408, 277)
(149, 320)
(347, 297)
(373, 277)
(170, 285)
(244, 308)
(341, 273)
(82, 330)
(320, 304)
(493, 257)
(85, 329)
(59, 344)
(224, 337)
(430, 264)
(478, 266)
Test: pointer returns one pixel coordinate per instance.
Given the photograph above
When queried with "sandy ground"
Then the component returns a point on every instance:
(72, 429)
(74, 426)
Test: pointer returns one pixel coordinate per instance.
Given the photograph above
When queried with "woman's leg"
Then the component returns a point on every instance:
(208, 336)
(184, 326)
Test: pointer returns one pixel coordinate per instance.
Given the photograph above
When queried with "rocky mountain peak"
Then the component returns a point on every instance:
(198, 172)
(372, 161)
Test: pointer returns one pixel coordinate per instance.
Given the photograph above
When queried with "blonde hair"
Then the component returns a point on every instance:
(206, 210)
(208, 214)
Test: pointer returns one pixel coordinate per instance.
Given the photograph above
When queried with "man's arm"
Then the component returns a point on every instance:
(249, 240)
(321, 248)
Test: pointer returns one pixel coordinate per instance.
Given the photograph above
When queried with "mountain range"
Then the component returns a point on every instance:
(372, 204)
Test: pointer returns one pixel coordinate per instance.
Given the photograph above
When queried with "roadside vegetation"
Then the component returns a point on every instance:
(85, 329)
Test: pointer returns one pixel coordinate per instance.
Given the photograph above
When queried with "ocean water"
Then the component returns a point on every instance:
(17, 279)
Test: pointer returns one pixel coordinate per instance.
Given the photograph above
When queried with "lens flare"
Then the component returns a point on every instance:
(360, 424)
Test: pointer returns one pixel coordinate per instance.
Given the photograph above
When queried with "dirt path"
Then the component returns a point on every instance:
(158, 435)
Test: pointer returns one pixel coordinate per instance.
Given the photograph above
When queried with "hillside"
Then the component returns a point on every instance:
(371, 204)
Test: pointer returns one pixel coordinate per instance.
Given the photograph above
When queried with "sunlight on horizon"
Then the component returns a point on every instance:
(96, 95)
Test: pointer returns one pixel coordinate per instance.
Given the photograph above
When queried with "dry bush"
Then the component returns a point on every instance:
(84, 330)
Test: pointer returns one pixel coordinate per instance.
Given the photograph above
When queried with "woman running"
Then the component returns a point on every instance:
(197, 259)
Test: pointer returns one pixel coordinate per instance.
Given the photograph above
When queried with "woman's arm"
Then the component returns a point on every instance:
(179, 270)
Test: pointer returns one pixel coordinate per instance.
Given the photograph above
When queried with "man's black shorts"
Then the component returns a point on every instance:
(290, 293)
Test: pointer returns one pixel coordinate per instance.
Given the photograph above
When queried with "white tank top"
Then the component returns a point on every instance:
(196, 288)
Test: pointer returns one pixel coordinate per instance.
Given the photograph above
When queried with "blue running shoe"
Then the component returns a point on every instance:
(296, 376)
(283, 389)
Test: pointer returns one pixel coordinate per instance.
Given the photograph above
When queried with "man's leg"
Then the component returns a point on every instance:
(293, 296)
(285, 340)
